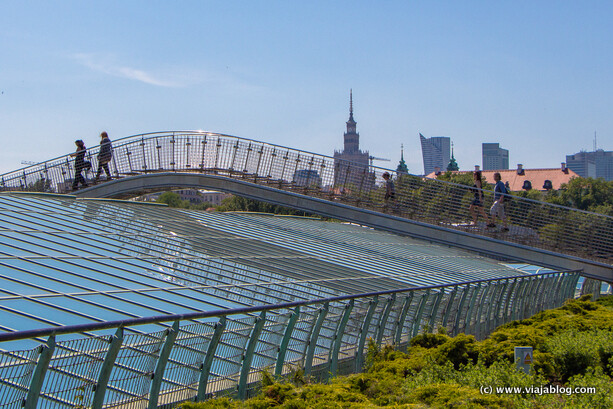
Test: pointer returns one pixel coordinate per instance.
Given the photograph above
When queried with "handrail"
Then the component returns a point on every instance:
(67, 329)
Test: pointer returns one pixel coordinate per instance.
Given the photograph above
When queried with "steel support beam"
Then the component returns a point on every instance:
(289, 329)
(38, 377)
(248, 357)
(115, 342)
(158, 375)
(205, 369)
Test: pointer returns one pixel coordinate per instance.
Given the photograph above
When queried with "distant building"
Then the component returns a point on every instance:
(494, 157)
(435, 152)
(597, 164)
(307, 177)
(351, 167)
(526, 179)
(402, 166)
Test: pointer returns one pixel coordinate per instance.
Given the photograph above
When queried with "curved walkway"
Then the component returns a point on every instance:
(540, 233)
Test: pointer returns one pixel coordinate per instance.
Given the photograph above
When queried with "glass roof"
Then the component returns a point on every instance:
(68, 261)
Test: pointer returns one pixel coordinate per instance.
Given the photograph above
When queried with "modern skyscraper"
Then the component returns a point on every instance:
(351, 168)
(494, 157)
(597, 164)
(436, 152)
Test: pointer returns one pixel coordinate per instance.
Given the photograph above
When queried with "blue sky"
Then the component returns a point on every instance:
(534, 76)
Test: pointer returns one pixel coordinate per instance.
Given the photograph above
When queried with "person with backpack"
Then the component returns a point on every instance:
(497, 209)
(477, 203)
(104, 156)
(80, 164)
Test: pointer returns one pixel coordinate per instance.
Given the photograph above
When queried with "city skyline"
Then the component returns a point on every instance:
(531, 76)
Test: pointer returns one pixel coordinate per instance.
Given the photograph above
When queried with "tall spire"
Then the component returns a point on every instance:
(453, 165)
(352, 138)
(402, 166)
(351, 104)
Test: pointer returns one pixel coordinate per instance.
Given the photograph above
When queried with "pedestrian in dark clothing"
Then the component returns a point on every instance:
(477, 204)
(104, 156)
(390, 192)
(79, 165)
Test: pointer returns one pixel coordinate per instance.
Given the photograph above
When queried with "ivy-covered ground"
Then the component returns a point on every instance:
(573, 348)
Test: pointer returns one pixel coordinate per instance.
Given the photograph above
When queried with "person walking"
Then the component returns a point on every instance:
(104, 156)
(390, 192)
(497, 209)
(477, 204)
(79, 165)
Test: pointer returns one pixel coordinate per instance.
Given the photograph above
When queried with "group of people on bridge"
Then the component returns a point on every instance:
(81, 164)
(497, 210)
(105, 154)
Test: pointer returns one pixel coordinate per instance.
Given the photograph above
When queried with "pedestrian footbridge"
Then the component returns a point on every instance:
(540, 233)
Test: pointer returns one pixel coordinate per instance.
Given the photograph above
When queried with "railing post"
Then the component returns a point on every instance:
(508, 304)
(187, 157)
(437, 303)
(249, 352)
(273, 155)
(458, 317)
(420, 312)
(449, 306)
(172, 146)
(285, 342)
(384, 318)
(208, 359)
(107, 367)
(359, 353)
(142, 144)
(488, 292)
(518, 297)
(308, 363)
(530, 290)
(203, 143)
(403, 316)
(338, 338)
(158, 375)
(38, 377)
(496, 305)
(471, 306)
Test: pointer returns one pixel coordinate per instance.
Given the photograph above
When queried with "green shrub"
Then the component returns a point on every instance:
(460, 350)
(429, 340)
(574, 352)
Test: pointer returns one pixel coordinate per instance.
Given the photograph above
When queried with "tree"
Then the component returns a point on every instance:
(172, 199)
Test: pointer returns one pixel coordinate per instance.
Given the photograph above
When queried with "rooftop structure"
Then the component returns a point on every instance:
(539, 179)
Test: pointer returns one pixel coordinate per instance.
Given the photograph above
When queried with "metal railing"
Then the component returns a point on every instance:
(223, 352)
(537, 224)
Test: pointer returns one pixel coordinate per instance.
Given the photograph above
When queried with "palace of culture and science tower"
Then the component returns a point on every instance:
(351, 164)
